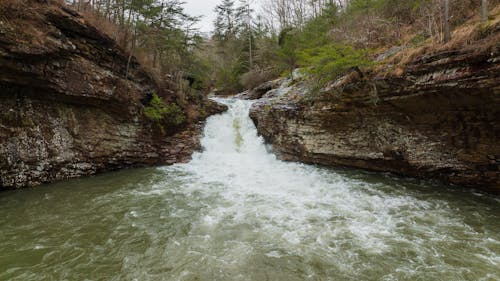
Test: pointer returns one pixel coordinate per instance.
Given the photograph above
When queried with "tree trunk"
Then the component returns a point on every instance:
(122, 16)
(249, 21)
(447, 34)
(484, 16)
(107, 8)
(155, 52)
(127, 29)
(132, 49)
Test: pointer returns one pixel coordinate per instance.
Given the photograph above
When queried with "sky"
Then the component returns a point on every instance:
(206, 8)
(203, 8)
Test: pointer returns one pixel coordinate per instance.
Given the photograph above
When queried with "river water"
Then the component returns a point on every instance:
(235, 212)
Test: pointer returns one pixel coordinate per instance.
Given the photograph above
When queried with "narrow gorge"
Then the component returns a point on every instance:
(343, 140)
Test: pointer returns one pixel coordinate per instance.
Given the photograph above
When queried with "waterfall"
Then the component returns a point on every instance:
(236, 212)
(303, 210)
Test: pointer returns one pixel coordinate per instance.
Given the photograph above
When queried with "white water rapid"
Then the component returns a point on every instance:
(264, 219)
(236, 213)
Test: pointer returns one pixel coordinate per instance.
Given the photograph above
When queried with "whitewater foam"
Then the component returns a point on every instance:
(304, 210)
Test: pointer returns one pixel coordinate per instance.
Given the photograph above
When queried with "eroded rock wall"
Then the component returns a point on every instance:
(71, 101)
(440, 119)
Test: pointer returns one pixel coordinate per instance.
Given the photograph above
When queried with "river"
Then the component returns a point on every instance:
(235, 212)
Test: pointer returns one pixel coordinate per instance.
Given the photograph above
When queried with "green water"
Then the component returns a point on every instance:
(138, 225)
(236, 213)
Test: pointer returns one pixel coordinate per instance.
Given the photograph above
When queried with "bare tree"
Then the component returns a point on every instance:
(484, 16)
(447, 35)
(249, 29)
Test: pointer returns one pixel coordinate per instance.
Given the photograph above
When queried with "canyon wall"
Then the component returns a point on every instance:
(439, 119)
(72, 102)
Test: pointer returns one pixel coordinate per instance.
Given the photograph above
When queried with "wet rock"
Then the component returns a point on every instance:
(259, 91)
(66, 108)
(441, 119)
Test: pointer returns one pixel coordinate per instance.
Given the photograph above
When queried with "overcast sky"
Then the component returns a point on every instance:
(203, 8)
(206, 8)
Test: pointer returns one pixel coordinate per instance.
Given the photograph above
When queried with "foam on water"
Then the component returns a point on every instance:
(235, 212)
(298, 210)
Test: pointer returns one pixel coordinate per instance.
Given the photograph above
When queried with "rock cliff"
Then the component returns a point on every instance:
(72, 101)
(439, 119)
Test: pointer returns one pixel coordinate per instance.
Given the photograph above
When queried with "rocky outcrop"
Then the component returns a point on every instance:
(259, 91)
(440, 119)
(71, 101)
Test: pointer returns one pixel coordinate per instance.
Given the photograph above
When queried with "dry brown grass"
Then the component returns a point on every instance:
(12, 8)
(101, 23)
(123, 37)
(256, 77)
(420, 33)
(474, 31)
(472, 35)
(192, 113)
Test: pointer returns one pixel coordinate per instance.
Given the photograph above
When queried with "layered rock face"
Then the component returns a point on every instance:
(71, 102)
(440, 119)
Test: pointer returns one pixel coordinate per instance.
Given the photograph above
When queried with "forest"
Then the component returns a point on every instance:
(250, 46)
